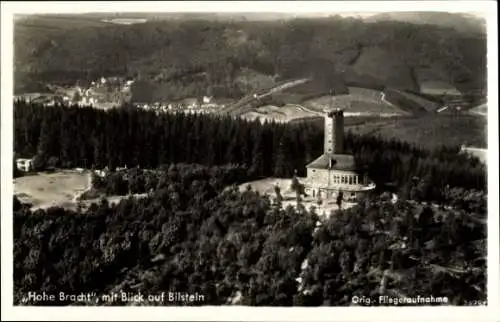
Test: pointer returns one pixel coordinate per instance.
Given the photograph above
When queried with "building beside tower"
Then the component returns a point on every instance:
(335, 171)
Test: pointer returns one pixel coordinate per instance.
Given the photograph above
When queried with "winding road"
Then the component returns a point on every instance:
(245, 104)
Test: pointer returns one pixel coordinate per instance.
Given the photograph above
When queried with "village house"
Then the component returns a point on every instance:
(207, 99)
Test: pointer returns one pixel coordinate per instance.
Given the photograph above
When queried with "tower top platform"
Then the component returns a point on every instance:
(333, 111)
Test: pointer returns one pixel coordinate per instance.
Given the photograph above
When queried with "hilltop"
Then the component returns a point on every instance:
(197, 56)
(462, 22)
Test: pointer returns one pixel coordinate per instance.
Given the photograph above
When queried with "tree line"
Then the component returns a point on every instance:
(65, 136)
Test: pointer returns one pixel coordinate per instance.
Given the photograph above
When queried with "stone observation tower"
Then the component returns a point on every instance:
(335, 171)
(334, 132)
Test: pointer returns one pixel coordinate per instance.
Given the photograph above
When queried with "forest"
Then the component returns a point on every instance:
(186, 58)
(65, 136)
(196, 233)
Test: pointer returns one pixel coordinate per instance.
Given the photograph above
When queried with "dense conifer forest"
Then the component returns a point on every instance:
(194, 231)
(84, 137)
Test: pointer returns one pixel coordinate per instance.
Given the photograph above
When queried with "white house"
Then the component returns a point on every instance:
(207, 99)
(25, 165)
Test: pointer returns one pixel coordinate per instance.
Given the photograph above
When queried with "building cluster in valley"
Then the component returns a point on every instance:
(106, 92)
(109, 92)
(202, 105)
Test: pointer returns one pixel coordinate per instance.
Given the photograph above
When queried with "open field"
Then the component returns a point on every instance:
(44, 190)
(283, 114)
(361, 101)
(266, 186)
(481, 110)
(415, 104)
(56, 22)
(357, 102)
(125, 21)
(438, 87)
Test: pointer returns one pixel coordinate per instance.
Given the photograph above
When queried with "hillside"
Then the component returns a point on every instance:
(359, 100)
(414, 104)
(479, 110)
(429, 131)
(171, 52)
(282, 114)
(308, 98)
(462, 22)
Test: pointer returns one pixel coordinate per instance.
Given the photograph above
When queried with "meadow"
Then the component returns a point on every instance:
(44, 190)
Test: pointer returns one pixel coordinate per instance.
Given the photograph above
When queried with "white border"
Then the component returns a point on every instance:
(486, 9)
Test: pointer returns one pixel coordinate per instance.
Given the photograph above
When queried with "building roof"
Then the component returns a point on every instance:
(343, 162)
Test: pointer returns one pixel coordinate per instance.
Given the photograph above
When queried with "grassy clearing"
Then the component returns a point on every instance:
(266, 186)
(415, 104)
(284, 114)
(481, 110)
(364, 102)
(58, 22)
(44, 190)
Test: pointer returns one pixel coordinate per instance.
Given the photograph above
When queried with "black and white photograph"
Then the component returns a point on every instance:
(249, 155)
